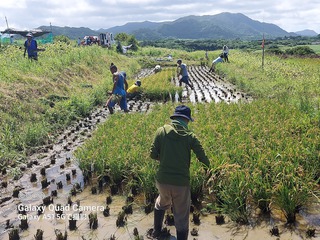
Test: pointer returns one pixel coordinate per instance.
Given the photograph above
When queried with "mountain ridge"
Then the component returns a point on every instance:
(220, 26)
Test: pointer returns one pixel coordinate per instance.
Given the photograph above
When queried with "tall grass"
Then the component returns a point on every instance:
(159, 87)
(248, 136)
(293, 80)
(39, 98)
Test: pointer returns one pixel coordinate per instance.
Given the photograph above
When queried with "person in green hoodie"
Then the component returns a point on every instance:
(172, 147)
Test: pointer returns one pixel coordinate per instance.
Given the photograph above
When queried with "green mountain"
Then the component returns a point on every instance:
(307, 32)
(220, 26)
(70, 32)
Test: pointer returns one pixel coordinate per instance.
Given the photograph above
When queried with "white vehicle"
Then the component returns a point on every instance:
(106, 39)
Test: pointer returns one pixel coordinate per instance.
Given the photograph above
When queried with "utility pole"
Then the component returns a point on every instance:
(7, 22)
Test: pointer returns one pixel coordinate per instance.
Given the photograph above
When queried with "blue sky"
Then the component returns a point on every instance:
(290, 15)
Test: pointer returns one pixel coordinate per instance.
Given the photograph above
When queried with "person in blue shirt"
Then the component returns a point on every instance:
(214, 62)
(31, 46)
(118, 95)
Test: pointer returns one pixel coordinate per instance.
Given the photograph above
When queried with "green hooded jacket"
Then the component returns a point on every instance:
(172, 146)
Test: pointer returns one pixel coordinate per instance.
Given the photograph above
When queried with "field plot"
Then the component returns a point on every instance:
(57, 186)
(210, 87)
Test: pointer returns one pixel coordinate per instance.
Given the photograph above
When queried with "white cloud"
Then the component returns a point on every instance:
(291, 15)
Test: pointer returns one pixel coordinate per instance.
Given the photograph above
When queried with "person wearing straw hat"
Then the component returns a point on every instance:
(172, 147)
(31, 47)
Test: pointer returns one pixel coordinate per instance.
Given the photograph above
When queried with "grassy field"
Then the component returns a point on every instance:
(38, 99)
(273, 143)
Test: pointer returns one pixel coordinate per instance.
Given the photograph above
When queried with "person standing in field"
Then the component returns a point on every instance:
(31, 47)
(225, 52)
(183, 72)
(215, 61)
(118, 94)
(172, 147)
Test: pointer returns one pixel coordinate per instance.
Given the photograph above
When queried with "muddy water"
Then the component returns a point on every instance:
(56, 165)
(210, 87)
(55, 173)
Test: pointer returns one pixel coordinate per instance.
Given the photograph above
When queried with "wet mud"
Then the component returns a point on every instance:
(210, 87)
(52, 196)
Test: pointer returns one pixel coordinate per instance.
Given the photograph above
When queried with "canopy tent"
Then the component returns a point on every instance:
(35, 32)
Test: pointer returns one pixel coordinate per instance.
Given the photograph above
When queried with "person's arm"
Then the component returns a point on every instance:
(115, 81)
(125, 85)
(155, 146)
(178, 71)
(199, 151)
(25, 49)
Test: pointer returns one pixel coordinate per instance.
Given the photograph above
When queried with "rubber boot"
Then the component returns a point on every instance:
(158, 220)
(182, 235)
(110, 110)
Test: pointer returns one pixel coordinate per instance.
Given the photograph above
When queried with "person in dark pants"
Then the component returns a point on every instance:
(31, 47)
(134, 90)
(225, 52)
(183, 72)
(172, 147)
(120, 86)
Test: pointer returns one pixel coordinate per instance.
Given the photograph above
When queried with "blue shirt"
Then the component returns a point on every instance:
(31, 46)
(184, 71)
(120, 85)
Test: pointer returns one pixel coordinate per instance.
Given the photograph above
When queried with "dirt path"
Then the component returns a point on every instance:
(57, 175)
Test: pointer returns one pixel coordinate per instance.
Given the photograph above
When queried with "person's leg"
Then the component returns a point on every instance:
(225, 57)
(181, 200)
(110, 104)
(123, 104)
(163, 202)
(182, 235)
(186, 81)
(190, 84)
(157, 223)
(213, 67)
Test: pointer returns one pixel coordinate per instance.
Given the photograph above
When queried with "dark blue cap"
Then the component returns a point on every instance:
(182, 111)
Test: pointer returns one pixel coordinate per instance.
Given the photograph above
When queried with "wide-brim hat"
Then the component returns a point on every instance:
(182, 111)
(29, 35)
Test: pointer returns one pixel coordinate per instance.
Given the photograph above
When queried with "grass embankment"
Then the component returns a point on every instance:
(290, 79)
(37, 99)
(264, 154)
